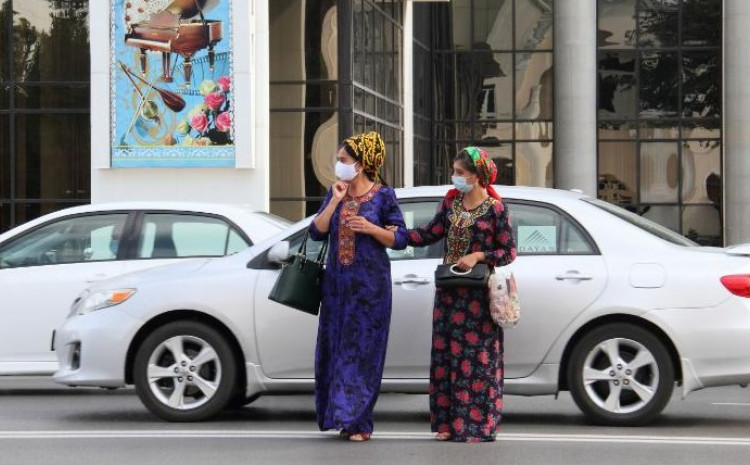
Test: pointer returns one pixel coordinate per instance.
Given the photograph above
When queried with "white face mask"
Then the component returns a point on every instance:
(345, 172)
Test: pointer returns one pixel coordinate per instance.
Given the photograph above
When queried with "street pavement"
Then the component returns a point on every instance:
(43, 423)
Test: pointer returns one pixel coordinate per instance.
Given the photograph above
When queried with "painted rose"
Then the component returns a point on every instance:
(202, 108)
(224, 122)
(208, 87)
(199, 122)
(215, 100)
(202, 142)
(225, 83)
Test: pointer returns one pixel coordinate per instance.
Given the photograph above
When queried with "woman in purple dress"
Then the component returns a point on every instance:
(355, 311)
(466, 373)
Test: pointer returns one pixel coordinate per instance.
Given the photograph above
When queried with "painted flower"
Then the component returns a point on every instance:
(183, 128)
(169, 140)
(215, 100)
(187, 141)
(207, 87)
(198, 109)
(225, 83)
(224, 122)
(199, 122)
(202, 142)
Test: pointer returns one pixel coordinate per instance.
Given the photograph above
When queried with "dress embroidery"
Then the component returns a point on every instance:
(350, 207)
(459, 232)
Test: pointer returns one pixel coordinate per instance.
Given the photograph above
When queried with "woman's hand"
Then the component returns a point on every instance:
(467, 262)
(359, 224)
(339, 191)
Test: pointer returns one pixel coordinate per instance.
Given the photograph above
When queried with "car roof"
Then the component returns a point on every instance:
(513, 192)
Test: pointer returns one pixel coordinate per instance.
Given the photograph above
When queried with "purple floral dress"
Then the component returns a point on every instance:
(355, 312)
(466, 372)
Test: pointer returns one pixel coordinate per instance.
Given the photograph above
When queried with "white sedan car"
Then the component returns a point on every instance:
(615, 309)
(47, 262)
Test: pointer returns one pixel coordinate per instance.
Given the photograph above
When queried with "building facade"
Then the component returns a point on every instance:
(639, 102)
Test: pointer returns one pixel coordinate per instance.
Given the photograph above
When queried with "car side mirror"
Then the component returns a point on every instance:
(279, 252)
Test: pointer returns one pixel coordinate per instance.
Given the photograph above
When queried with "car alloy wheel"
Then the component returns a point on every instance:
(620, 374)
(185, 371)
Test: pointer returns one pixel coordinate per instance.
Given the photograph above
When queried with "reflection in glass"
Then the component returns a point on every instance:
(4, 96)
(657, 130)
(617, 85)
(5, 154)
(316, 95)
(701, 82)
(617, 130)
(617, 172)
(52, 156)
(658, 27)
(27, 211)
(534, 164)
(701, 23)
(702, 224)
(616, 24)
(533, 25)
(5, 15)
(667, 216)
(701, 165)
(533, 75)
(51, 40)
(461, 19)
(659, 84)
(53, 96)
(5, 223)
(502, 154)
(659, 172)
(492, 23)
(496, 85)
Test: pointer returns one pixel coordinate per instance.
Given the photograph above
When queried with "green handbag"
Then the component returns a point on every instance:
(298, 284)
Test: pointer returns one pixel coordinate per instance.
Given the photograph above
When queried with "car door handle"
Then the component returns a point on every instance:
(573, 276)
(414, 280)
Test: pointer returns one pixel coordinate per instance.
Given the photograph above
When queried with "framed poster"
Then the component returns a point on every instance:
(171, 83)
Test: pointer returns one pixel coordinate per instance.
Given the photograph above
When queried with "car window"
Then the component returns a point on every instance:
(170, 235)
(72, 240)
(542, 230)
(418, 213)
(312, 248)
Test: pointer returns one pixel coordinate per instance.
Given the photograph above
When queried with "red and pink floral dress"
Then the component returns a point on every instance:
(466, 373)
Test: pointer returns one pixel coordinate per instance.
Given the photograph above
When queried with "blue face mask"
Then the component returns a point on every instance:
(459, 182)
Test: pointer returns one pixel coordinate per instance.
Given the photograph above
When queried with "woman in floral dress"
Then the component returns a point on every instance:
(355, 311)
(466, 373)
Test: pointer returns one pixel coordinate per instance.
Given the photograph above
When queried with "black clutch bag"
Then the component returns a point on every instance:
(298, 284)
(448, 276)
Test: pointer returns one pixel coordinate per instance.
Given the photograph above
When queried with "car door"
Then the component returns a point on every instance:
(559, 272)
(412, 273)
(164, 237)
(41, 273)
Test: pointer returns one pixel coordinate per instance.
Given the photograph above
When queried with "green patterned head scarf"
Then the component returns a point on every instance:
(486, 169)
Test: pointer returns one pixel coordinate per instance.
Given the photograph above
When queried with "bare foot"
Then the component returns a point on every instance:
(359, 437)
(443, 436)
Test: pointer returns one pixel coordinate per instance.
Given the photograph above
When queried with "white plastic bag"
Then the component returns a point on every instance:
(505, 307)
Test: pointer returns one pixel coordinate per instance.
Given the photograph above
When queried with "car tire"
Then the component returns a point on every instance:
(629, 391)
(185, 371)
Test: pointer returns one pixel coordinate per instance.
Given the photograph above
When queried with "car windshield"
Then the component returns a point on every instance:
(643, 223)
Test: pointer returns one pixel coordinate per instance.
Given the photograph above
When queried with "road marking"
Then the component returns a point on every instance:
(389, 435)
(744, 404)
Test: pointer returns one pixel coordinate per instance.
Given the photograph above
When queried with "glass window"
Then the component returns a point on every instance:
(5, 154)
(541, 231)
(533, 25)
(418, 214)
(617, 85)
(68, 96)
(701, 172)
(658, 22)
(166, 235)
(5, 223)
(702, 224)
(53, 156)
(492, 24)
(5, 15)
(51, 40)
(701, 23)
(617, 172)
(534, 164)
(659, 172)
(72, 240)
(701, 81)
(616, 24)
(659, 84)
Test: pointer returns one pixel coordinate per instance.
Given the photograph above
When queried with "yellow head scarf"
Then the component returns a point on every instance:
(368, 149)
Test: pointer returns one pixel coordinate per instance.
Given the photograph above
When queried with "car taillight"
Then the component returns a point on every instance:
(737, 284)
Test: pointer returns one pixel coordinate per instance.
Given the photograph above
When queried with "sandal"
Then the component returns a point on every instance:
(360, 437)
(443, 436)
(344, 434)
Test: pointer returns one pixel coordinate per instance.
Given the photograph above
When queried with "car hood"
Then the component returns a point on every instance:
(171, 271)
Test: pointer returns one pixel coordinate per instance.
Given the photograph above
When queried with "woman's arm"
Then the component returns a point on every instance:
(321, 224)
(432, 231)
(504, 243)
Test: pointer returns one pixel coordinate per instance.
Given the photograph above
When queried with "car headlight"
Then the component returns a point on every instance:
(102, 299)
